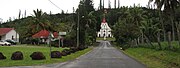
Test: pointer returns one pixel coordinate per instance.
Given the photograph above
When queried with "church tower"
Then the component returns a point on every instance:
(105, 30)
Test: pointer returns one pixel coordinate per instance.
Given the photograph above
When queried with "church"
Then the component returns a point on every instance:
(105, 30)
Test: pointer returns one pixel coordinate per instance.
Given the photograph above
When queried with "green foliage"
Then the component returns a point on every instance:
(30, 25)
(28, 50)
(153, 58)
(87, 22)
(127, 27)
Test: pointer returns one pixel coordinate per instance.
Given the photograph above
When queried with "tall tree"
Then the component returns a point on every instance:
(40, 22)
(118, 3)
(103, 4)
(169, 8)
(115, 4)
(100, 5)
(109, 4)
(19, 16)
(85, 7)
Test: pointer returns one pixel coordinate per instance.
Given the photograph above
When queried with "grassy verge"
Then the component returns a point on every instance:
(108, 39)
(155, 59)
(28, 50)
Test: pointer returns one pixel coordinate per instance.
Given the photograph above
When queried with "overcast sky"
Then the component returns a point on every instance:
(10, 8)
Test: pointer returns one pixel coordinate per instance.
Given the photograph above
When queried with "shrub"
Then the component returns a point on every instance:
(17, 56)
(68, 42)
(55, 43)
(37, 56)
(2, 56)
(63, 54)
(67, 51)
(73, 49)
(55, 54)
(81, 47)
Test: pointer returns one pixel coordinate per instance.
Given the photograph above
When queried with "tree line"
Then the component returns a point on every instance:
(133, 25)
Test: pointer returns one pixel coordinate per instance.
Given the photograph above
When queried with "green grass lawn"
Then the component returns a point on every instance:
(165, 45)
(28, 50)
(108, 39)
(154, 58)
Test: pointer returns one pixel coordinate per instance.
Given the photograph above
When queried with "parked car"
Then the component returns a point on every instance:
(2, 42)
(11, 41)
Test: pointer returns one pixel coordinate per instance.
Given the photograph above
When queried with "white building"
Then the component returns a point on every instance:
(105, 30)
(9, 34)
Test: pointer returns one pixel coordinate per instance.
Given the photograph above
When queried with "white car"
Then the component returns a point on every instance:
(5, 43)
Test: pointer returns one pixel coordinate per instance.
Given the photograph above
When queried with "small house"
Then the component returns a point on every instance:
(43, 36)
(9, 34)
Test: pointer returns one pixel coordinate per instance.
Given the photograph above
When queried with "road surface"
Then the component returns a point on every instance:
(103, 56)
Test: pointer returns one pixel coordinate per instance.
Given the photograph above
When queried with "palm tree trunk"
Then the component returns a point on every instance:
(142, 38)
(178, 32)
(138, 41)
(147, 38)
(158, 40)
(162, 25)
(173, 32)
(115, 4)
(135, 40)
(169, 40)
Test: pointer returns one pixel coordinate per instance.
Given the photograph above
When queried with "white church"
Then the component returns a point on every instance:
(105, 30)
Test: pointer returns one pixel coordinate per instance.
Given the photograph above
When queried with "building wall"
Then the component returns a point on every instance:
(12, 35)
(3, 37)
(105, 31)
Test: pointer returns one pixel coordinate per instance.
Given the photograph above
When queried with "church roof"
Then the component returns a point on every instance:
(104, 20)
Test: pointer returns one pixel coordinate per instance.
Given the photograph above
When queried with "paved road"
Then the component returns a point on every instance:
(103, 56)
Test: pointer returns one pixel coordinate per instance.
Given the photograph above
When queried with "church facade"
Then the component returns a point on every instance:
(105, 30)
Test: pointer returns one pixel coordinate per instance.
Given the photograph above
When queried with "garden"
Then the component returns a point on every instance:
(27, 55)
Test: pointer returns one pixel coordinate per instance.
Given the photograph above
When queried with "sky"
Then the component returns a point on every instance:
(11, 8)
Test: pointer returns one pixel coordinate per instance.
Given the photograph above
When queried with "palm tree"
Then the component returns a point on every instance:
(177, 16)
(169, 7)
(115, 4)
(41, 21)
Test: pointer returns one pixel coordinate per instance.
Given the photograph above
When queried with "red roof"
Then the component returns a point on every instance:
(4, 31)
(104, 20)
(44, 34)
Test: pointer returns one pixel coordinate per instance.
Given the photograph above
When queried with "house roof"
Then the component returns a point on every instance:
(44, 34)
(4, 31)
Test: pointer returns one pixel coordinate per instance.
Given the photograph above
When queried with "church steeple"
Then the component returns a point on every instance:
(104, 20)
(105, 30)
(104, 16)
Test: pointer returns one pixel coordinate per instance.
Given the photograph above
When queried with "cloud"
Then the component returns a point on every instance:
(10, 8)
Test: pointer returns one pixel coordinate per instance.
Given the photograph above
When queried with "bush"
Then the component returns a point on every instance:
(68, 42)
(37, 56)
(55, 54)
(73, 49)
(17, 56)
(55, 43)
(81, 47)
(2, 56)
(67, 51)
(63, 54)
